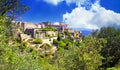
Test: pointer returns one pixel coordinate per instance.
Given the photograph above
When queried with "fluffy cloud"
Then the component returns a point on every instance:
(78, 2)
(54, 2)
(94, 18)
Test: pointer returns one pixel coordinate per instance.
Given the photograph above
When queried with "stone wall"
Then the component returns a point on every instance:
(30, 32)
(52, 33)
(48, 40)
(25, 37)
(28, 25)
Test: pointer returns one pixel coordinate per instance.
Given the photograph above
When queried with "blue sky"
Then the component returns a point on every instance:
(73, 12)
(42, 11)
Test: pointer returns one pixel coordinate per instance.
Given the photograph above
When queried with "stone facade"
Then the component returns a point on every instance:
(30, 32)
(38, 33)
(35, 30)
(25, 37)
(28, 25)
(60, 26)
(52, 33)
(46, 23)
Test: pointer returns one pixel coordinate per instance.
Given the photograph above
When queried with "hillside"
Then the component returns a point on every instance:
(46, 45)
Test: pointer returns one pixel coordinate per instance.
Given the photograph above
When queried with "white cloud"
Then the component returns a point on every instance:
(94, 18)
(78, 2)
(56, 23)
(54, 2)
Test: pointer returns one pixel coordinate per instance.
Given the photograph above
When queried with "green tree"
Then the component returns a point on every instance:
(10, 57)
(12, 7)
(86, 57)
(111, 49)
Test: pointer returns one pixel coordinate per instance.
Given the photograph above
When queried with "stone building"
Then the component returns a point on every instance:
(38, 33)
(35, 30)
(60, 26)
(29, 25)
(45, 23)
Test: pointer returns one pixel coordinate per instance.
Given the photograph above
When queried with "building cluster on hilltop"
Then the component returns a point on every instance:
(47, 32)
(38, 30)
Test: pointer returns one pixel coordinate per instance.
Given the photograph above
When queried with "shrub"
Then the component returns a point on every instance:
(55, 42)
(68, 33)
(49, 28)
(46, 46)
(61, 44)
(68, 45)
(66, 40)
(113, 68)
(38, 41)
(59, 38)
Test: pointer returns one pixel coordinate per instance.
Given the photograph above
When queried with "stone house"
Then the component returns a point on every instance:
(38, 33)
(29, 25)
(45, 23)
(60, 26)
(35, 30)
(76, 35)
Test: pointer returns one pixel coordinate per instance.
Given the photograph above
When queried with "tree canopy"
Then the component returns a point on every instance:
(111, 50)
(12, 7)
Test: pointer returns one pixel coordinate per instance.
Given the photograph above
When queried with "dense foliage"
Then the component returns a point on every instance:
(20, 56)
(96, 52)
(85, 57)
(37, 41)
(49, 28)
(12, 8)
(111, 50)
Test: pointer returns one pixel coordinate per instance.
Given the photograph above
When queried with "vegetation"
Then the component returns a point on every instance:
(68, 33)
(46, 46)
(49, 28)
(111, 49)
(100, 51)
(76, 58)
(15, 57)
(37, 41)
(12, 8)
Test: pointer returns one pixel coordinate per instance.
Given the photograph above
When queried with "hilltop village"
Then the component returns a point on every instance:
(45, 33)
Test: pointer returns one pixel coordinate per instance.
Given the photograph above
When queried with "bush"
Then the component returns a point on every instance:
(61, 44)
(66, 40)
(113, 68)
(38, 41)
(59, 38)
(49, 28)
(68, 45)
(68, 33)
(46, 46)
(77, 43)
(55, 42)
